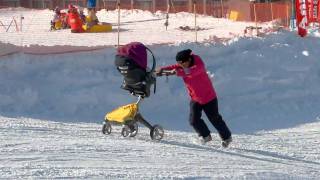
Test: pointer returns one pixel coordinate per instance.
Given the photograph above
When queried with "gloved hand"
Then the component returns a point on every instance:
(159, 72)
(169, 72)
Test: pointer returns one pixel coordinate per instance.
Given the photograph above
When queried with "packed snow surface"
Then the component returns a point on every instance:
(39, 149)
(52, 106)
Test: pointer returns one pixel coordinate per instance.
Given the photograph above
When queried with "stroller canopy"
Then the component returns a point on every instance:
(135, 51)
(131, 61)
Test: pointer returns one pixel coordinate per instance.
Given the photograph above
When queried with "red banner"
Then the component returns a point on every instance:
(313, 10)
(310, 10)
(302, 16)
(318, 6)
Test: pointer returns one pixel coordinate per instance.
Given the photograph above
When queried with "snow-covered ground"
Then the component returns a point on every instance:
(34, 149)
(52, 106)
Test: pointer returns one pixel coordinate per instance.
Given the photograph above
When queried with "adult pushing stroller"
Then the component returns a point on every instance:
(131, 62)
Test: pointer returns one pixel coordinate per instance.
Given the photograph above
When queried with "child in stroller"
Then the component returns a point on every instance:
(131, 62)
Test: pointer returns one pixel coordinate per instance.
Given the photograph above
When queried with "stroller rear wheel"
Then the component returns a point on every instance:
(157, 132)
(129, 130)
(106, 128)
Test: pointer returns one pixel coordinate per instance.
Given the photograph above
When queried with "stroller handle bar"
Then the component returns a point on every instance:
(166, 73)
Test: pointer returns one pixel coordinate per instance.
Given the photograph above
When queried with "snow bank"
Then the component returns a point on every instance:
(262, 83)
(6, 49)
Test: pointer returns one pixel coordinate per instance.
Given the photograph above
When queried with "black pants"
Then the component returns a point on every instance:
(212, 112)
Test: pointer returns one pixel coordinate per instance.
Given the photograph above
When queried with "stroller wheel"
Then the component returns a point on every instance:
(106, 128)
(133, 129)
(156, 132)
(125, 131)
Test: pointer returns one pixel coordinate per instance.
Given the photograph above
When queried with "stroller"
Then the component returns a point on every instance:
(131, 62)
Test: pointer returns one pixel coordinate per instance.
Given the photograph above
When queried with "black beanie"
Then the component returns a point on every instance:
(183, 55)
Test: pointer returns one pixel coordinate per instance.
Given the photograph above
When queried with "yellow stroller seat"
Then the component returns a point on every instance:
(129, 116)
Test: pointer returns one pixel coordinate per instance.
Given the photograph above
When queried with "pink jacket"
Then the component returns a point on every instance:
(196, 80)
